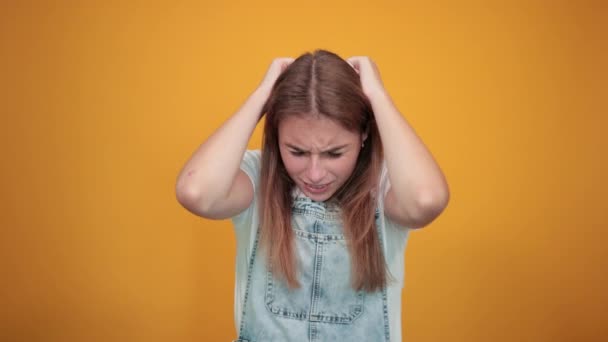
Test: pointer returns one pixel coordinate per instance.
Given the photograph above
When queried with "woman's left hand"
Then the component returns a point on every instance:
(368, 73)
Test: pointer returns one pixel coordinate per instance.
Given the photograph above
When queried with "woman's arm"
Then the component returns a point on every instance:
(211, 183)
(419, 190)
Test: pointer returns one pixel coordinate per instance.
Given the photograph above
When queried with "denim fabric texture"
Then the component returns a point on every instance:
(325, 307)
(264, 310)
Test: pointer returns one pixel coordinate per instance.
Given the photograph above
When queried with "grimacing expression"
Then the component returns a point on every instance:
(319, 154)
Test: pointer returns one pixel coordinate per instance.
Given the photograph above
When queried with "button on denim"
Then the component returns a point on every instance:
(325, 307)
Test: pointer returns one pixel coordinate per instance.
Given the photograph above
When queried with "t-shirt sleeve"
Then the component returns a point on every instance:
(251, 165)
(385, 185)
(245, 226)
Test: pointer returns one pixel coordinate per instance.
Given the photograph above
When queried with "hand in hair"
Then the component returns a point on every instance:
(368, 73)
(277, 66)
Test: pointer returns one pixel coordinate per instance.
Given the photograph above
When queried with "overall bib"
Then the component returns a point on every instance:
(325, 307)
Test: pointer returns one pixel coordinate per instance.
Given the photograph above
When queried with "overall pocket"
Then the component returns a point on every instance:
(324, 272)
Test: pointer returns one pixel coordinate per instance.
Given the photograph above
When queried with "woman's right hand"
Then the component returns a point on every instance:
(277, 67)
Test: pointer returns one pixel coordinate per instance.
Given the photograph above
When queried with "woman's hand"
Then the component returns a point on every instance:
(277, 67)
(369, 74)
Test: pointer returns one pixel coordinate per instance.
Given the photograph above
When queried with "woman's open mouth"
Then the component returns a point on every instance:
(316, 189)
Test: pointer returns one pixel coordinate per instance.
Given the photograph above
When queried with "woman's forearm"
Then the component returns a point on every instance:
(212, 168)
(416, 179)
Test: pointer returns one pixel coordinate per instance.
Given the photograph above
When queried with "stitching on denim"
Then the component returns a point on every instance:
(318, 214)
(320, 240)
(384, 290)
(314, 320)
(320, 237)
(248, 287)
(355, 312)
(316, 281)
(269, 300)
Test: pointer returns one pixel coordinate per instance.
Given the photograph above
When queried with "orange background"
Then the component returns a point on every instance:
(103, 102)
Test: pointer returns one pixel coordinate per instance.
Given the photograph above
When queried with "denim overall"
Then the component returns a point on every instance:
(325, 307)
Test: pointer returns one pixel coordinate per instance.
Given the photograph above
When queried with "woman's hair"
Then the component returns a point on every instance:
(322, 84)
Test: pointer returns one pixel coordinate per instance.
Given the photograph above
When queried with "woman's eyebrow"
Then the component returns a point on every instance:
(332, 149)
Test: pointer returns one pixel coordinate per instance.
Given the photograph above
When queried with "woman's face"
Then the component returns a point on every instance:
(318, 153)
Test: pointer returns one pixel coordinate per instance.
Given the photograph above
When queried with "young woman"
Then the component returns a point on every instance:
(322, 212)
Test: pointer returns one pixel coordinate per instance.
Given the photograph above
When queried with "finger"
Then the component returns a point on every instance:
(354, 59)
(286, 62)
(354, 63)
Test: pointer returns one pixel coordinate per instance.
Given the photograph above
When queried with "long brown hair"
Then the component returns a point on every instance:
(323, 84)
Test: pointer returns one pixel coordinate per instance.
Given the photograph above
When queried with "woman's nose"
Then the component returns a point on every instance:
(315, 172)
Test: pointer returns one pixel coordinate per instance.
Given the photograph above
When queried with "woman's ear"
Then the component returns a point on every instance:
(365, 134)
(363, 138)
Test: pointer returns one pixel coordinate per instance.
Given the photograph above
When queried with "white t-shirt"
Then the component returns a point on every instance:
(394, 242)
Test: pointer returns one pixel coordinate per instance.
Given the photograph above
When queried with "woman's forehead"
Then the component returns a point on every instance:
(310, 121)
(317, 131)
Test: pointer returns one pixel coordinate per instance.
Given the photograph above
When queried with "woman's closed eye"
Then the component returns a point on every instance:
(297, 153)
(330, 154)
